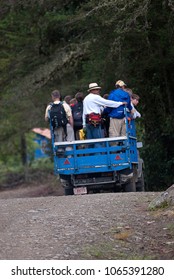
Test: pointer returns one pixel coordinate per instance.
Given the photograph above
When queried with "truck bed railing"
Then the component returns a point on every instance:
(115, 139)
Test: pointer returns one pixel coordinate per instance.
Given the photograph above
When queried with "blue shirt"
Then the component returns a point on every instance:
(119, 95)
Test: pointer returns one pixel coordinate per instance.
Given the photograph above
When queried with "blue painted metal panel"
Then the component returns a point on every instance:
(103, 159)
(41, 149)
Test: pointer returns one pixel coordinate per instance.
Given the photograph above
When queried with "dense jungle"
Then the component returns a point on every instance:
(65, 45)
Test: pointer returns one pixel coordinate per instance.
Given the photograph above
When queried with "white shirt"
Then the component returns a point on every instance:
(94, 103)
(136, 114)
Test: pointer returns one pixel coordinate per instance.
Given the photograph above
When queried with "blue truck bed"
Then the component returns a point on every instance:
(106, 163)
(83, 156)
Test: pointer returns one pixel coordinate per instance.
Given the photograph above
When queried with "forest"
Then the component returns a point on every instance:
(65, 45)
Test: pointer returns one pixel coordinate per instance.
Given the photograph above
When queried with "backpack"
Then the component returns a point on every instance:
(77, 113)
(58, 116)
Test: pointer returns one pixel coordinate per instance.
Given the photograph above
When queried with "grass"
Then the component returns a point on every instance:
(118, 246)
(111, 251)
(170, 227)
(163, 205)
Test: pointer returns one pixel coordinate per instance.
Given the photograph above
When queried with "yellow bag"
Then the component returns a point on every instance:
(82, 135)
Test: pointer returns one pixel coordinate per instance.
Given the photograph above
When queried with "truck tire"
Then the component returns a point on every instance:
(68, 187)
(68, 191)
(140, 185)
(130, 186)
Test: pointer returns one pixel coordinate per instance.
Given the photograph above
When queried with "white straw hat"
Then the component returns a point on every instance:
(93, 86)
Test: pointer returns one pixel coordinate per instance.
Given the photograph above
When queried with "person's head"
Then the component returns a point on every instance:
(129, 91)
(120, 84)
(79, 96)
(135, 99)
(67, 99)
(73, 101)
(56, 95)
(94, 88)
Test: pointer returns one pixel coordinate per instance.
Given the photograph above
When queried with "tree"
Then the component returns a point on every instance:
(68, 44)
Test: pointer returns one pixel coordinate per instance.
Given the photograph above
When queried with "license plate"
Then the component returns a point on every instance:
(80, 190)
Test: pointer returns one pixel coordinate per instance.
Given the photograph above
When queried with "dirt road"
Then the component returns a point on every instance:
(94, 226)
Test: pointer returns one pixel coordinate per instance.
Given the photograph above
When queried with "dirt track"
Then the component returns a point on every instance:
(94, 226)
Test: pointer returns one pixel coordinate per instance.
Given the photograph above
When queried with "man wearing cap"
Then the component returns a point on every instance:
(117, 115)
(93, 105)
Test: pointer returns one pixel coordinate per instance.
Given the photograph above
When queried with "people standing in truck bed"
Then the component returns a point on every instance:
(70, 130)
(77, 112)
(60, 114)
(105, 120)
(117, 115)
(134, 102)
(93, 105)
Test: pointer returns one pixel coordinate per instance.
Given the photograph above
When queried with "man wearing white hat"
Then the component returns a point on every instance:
(117, 115)
(93, 105)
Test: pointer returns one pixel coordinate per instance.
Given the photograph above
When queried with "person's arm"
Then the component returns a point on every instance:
(109, 103)
(129, 105)
(136, 114)
(71, 122)
(47, 113)
(68, 113)
(84, 119)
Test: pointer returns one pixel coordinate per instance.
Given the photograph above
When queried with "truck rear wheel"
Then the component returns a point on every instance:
(66, 184)
(140, 185)
(130, 186)
(68, 191)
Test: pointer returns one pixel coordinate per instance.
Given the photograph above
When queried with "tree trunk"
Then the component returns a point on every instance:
(24, 156)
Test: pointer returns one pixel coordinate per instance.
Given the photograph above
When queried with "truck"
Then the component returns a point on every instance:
(100, 165)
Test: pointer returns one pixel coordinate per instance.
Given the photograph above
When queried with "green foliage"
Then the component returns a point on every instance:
(42, 163)
(15, 174)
